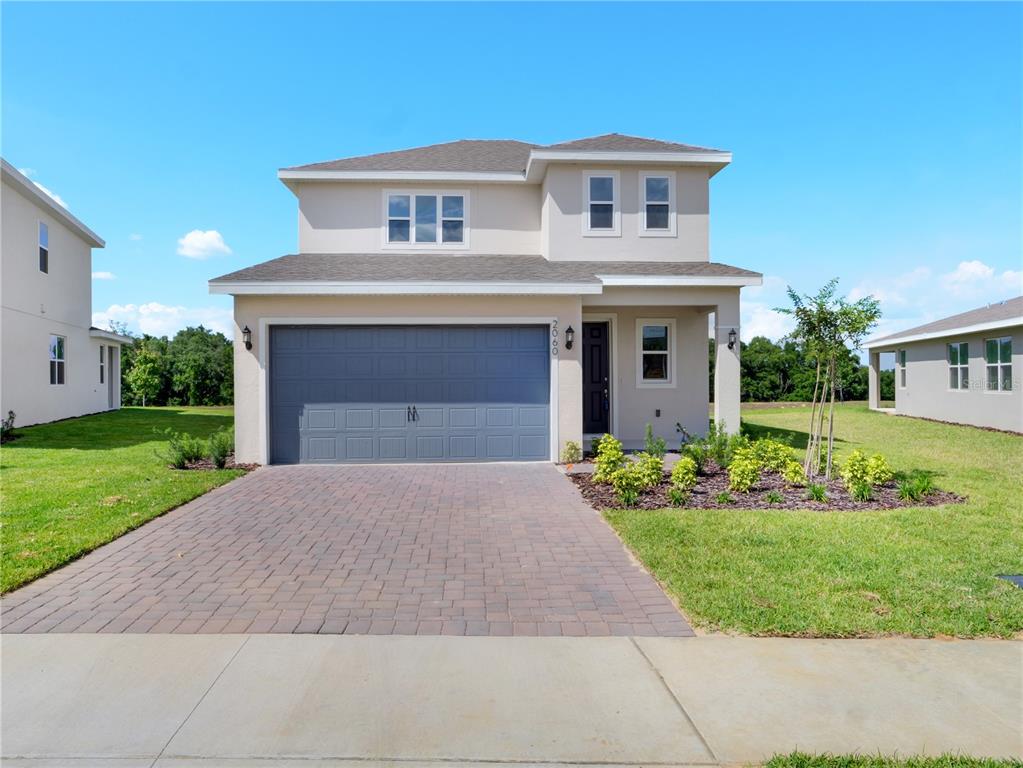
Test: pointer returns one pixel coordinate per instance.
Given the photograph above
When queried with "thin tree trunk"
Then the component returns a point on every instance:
(819, 453)
(831, 422)
(810, 442)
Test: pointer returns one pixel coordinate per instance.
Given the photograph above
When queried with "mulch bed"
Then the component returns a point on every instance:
(207, 464)
(714, 480)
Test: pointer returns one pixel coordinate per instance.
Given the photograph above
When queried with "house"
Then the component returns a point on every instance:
(958, 369)
(54, 364)
(487, 300)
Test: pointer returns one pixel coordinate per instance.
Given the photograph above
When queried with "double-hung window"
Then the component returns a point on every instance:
(655, 352)
(44, 247)
(426, 219)
(57, 359)
(959, 365)
(602, 216)
(657, 204)
(102, 365)
(998, 356)
(901, 355)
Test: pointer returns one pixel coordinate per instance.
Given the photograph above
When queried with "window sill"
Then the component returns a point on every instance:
(426, 246)
(601, 233)
(656, 233)
(641, 384)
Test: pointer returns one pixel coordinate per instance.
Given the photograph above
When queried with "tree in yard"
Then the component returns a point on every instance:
(202, 367)
(145, 377)
(826, 327)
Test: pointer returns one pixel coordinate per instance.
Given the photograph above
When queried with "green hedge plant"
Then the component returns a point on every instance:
(650, 468)
(571, 453)
(793, 473)
(627, 482)
(220, 446)
(683, 474)
(610, 458)
(744, 470)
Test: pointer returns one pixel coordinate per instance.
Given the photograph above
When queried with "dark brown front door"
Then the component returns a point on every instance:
(596, 378)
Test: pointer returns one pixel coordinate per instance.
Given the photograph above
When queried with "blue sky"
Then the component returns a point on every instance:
(874, 142)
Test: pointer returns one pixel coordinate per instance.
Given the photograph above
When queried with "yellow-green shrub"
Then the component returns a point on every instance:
(610, 458)
(773, 456)
(683, 474)
(627, 482)
(793, 473)
(650, 468)
(879, 471)
(744, 470)
(854, 471)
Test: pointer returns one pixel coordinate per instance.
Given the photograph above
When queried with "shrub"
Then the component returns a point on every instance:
(650, 469)
(655, 446)
(879, 471)
(915, 487)
(773, 455)
(683, 474)
(718, 445)
(678, 497)
(773, 497)
(816, 492)
(627, 482)
(182, 449)
(610, 458)
(725, 498)
(7, 427)
(697, 452)
(221, 444)
(571, 453)
(861, 492)
(854, 471)
(744, 470)
(793, 473)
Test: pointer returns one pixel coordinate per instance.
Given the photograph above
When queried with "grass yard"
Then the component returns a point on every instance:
(71, 486)
(801, 760)
(920, 571)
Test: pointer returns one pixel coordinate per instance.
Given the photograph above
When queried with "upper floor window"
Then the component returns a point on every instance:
(602, 215)
(902, 368)
(998, 356)
(57, 361)
(44, 247)
(959, 365)
(426, 219)
(657, 204)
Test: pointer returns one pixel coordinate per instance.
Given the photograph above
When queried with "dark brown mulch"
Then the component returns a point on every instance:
(4, 439)
(207, 464)
(715, 481)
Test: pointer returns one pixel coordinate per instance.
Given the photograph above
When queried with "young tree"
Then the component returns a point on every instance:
(145, 377)
(826, 327)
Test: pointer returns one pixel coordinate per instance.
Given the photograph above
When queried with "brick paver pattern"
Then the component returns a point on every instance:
(462, 549)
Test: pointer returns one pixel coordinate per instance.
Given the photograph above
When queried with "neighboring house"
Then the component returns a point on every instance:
(487, 300)
(959, 369)
(54, 364)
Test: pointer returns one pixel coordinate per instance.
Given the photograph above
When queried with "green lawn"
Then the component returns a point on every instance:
(921, 571)
(71, 486)
(800, 760)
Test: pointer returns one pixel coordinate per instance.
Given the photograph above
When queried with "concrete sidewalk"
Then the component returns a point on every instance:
(234, 700)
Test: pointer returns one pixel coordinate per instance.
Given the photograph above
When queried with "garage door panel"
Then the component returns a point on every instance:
(393, 418)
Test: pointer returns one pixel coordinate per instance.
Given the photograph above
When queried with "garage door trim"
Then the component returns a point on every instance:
(263, 357)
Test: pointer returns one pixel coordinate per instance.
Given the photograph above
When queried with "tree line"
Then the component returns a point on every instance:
(195, 367)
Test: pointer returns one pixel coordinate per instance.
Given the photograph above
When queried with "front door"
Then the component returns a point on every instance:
(596, 378)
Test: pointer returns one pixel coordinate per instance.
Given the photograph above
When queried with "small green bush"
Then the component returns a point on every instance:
(773, 455)
(879, 471)
(915, 487)
(725, 498)
(793, 473)
(773, 497)
(7, 428)
(610, 458)
(816, 492)
(744, 470)
(220, 446)
(854, 471)
(650, 469)
(655, 446)
(182, 449)
(627, 482)
(861, 492)
(683, 474)
(698, 453)
(722, 446)
(571, 453)
(678, 497)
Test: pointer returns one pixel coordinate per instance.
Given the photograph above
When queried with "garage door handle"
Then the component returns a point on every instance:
(408, 416)
(415, 414)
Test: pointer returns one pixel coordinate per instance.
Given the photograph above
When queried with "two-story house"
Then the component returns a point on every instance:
(487, 300)
(54, 364)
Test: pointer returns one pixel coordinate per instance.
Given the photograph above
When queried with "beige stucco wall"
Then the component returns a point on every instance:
(37, 304)
(927, 393)
(259, 311)
(349, 217)
(563, 203)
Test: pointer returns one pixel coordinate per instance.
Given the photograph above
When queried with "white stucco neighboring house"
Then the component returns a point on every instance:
(958, 369)
(487, 300)
(53, 364)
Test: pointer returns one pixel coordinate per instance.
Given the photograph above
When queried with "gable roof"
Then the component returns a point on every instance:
(497, 155)
(998, 315)
(28, 188)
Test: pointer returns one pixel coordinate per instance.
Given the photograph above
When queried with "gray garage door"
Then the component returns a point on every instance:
(409, 393)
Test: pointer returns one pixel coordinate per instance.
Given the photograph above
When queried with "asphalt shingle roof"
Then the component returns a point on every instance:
(1010, 309)
(334, 267)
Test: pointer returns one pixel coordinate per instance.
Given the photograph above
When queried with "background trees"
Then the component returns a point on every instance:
(196, 367)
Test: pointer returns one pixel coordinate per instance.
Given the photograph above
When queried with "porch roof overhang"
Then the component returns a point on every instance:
(99, 333)
(424, 274)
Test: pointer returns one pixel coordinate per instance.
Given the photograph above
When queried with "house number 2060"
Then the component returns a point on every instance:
(554, 338)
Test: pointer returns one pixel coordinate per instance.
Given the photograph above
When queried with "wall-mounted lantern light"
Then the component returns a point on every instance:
(731, 339)
(247, 337)
(569, 337)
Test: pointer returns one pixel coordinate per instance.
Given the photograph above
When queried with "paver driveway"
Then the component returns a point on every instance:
(498, 549)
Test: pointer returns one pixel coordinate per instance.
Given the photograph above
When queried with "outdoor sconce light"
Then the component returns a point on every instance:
(731, 339)
(569, 337)
(247, 337)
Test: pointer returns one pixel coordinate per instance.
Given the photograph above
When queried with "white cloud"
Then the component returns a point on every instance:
(199, 244)
(159, 319)
(45, 190)
(103, 276)
(975, 279)
(134, 236)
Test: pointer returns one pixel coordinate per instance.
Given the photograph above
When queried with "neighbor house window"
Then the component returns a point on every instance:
(102, 366)
(44, 247)
(655, 343)
(601, 193)
(998, 355)
(901, 354)
(425, 219)
(57, 359)
(657, 203)
(959, 365)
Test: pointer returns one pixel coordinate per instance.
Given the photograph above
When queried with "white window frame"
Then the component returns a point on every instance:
(43, 227)
(102, 364)
(616, 206)
(999, 365)
(644, 231)
(900, 364)
(54, 377)
(672, 381)
(959, 366)
(412, 245)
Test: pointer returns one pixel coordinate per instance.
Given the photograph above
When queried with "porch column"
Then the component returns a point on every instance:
(873, 379)
(726, 365)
